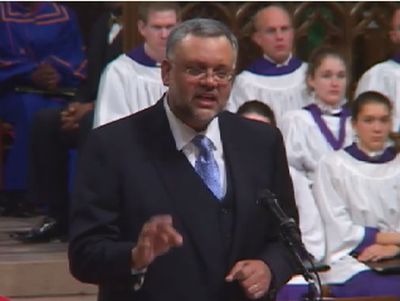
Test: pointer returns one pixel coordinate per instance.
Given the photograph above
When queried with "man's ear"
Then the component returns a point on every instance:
(165, 71)
(393, 37)
(310, 81)
(141, 25)
(353, 125)
(255, 37)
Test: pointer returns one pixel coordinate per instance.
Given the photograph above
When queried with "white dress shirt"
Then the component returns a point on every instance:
(183, 135)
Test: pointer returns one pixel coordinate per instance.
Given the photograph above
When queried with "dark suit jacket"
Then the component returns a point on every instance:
(131, 170)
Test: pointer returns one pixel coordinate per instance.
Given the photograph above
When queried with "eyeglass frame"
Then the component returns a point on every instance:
(198, 73)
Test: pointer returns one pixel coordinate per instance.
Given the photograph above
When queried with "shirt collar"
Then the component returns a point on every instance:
(285, 63)
(184, 134)
(329, 109)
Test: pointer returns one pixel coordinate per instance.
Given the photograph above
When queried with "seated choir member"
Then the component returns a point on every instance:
(311, 225)
(132, 82)
(323, 126)
(358, 194)
(277, 78)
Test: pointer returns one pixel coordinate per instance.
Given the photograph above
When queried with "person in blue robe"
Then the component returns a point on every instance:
(42, 61)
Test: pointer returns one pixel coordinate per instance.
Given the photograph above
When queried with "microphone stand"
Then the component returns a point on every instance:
(290, 234)
(300, 254)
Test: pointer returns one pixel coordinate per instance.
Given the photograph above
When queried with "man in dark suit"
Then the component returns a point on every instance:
(165, 202)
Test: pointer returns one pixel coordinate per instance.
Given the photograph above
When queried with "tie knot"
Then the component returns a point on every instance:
(204, 145)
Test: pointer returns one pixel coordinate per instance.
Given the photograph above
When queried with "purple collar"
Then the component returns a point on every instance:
(396, 58)
(139, 55)
(264, 67)
(316, 113)
(388, 155)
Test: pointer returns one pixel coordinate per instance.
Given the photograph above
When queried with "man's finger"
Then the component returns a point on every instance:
(170, 235)
(160, 230)
(162, 218)
(252, 277)
(236, 273)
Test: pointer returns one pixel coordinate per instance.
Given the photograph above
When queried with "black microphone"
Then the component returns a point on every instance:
(290, 233)
(289, 227)
(268, 200)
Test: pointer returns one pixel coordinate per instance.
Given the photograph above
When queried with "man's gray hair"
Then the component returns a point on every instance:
(200, 27)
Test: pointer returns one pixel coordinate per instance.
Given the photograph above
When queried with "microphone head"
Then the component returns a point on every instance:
(269, 201)
(266, 195)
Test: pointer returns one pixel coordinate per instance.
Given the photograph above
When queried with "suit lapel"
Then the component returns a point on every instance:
(193, 203)
(235, 160)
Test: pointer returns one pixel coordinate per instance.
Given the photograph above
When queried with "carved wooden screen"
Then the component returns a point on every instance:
(359, 29)
(369, 41)
(317, 24)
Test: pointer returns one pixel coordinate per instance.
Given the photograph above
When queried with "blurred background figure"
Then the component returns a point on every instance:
(324, 125)
(278, 77)
(256, 110)
(316, 130)
(41, 63)
(56, 131)
(132, 82)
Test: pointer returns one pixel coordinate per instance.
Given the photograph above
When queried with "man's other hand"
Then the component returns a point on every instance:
(156, 238)
(253, 275)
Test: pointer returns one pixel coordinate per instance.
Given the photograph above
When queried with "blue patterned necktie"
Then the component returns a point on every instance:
(206, 166)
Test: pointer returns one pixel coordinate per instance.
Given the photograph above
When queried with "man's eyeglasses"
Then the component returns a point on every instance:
(220, 76)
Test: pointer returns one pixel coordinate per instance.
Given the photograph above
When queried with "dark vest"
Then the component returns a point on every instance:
(226, 214)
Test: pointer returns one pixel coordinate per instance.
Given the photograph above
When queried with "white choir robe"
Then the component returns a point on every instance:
(304, 142)
(311, 226)
(351, 195)
(384, 78)
(126, 87)
(282, 93)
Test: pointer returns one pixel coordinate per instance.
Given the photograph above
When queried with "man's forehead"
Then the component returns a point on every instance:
(272, 15)
(193, 36)
(195, 48)
(159, 15)
(192, 40)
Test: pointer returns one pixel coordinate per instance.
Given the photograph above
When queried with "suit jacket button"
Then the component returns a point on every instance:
(225, 211)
